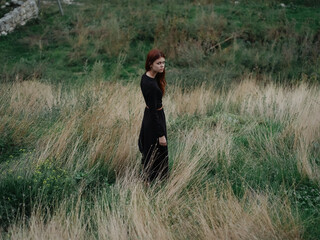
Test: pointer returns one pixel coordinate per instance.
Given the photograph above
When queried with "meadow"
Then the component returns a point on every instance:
(204, 41)
(244, 163)
(242, 114)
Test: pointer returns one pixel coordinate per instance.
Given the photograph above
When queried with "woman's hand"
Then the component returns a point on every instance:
(163, 141)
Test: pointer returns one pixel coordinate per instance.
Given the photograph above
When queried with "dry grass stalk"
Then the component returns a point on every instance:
(106, 118)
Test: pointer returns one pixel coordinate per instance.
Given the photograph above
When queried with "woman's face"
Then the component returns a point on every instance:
(158, 65)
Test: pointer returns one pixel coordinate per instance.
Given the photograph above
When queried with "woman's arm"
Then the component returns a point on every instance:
(151, 101)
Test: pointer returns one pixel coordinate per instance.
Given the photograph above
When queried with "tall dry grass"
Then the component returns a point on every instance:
(128, 211)
(298, 106)
(99, 125)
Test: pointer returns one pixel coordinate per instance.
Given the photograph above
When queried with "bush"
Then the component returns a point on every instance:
(21, 191)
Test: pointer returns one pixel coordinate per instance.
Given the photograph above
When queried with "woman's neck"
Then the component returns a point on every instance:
(151, 74)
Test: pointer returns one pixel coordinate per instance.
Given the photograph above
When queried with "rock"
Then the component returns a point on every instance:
(3, 6)
(6, 28)
(67, 1)
(19, 16)
(3, 33)
(282, 5)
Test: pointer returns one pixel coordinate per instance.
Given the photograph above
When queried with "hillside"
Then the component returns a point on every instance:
(242, 107)
(217, 42)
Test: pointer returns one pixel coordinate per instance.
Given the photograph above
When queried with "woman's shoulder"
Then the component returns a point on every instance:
(145, 79)
(145, 76)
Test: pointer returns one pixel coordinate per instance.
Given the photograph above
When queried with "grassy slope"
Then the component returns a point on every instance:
(271, 40)
(252, 148)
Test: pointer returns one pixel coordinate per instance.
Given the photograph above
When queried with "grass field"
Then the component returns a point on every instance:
(242, 107)
(244, 163)
(205, 41)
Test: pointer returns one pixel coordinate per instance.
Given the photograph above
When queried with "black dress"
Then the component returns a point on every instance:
(154, 156)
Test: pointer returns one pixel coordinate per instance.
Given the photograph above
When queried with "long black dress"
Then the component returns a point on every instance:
(154, 156)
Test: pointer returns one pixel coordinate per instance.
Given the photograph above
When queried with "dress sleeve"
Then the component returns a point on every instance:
(152, 102)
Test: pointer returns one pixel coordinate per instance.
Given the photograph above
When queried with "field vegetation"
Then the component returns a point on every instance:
(242, 108)
(205, 41)
(244, 163)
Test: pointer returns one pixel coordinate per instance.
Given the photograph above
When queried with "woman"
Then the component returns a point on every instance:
(153, 133)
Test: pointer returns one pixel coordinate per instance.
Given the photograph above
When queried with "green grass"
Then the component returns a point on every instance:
(270, 41)
(107, 41)
(261, 155)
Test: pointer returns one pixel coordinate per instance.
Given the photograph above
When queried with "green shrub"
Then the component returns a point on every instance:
(20, 191)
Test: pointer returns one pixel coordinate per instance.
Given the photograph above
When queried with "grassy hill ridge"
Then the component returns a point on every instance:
(205, 41)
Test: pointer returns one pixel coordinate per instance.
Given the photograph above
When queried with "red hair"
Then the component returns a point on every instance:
(152, 56)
